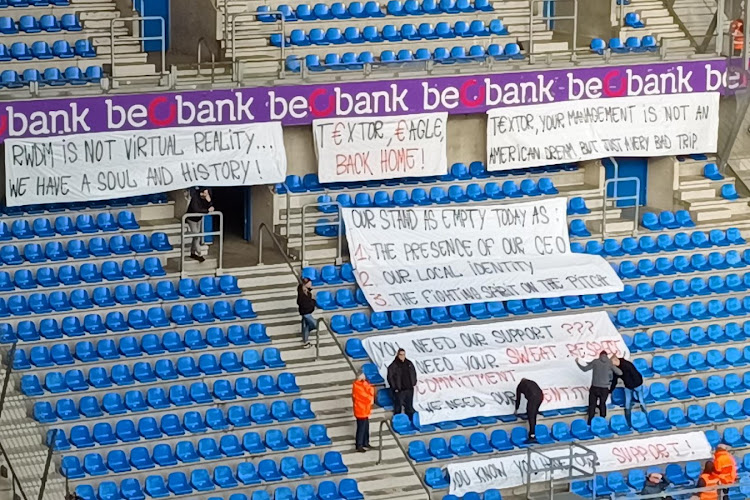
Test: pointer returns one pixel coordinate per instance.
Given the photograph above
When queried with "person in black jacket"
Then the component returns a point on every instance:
(655, 484)
(306, 305)
(200, 203)
(534, 396)
(633, 382)
(402, 377)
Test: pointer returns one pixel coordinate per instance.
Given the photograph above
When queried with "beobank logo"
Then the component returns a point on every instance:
(300, 105)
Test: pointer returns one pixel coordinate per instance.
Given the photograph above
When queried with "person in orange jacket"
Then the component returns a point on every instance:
(737, 31)
(363, 395)
(708, 478)
(725, 466)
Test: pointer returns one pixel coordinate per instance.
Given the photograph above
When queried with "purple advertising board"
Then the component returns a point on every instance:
(300, 104)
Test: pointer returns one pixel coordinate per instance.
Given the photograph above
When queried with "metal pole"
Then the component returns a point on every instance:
(302, 230)
(575, 29)
(8, 371)
(220, 269)
(531, 31)
(288, 216)
(45, 474)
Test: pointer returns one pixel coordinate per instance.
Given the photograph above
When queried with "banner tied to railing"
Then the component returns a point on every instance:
(388, 147)
(472, 370)
(514, 470)
(571, 131)
(408, 258)
(109, 165)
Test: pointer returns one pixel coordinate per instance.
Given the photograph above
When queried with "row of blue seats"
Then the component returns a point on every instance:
(491, 494)
(156, 398)
(164, 369)
(33, 3)
(678, 338)
(438, 195)
(458, 171)
(195, 423)
(51, 76)
(130, 347)
(114, 404)
(389, 33)
(441, 55)
(41, 50)
(679, 312)
(663, 243)
(48, 23)
(667, 219)
(329, 274)
(35, 253)
(104, 296)
(142, 200)
(714, 359)
(89, 273)
(681, 264)
(177, 483)
(371, 9)
(44, 227)
(207, 449)
(42, 303)
(632, 44)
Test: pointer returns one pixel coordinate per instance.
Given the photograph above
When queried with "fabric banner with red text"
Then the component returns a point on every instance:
(408, 258)
(388, 147)
(473, 370)
(512, 470)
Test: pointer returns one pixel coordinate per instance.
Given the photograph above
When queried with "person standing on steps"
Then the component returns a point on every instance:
(306, 305)
(603, 372)
(725, 466)
(200, 203)
(402, 377)
(534, 396)
(633, 382)
(363, 396)
(708, 479)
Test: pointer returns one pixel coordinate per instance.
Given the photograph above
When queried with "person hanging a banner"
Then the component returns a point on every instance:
(363, 396)
(402, 378)
(603, 372)
(726, 467)
(200, 203)
(534, 396)
(306, 305)
(633, 382)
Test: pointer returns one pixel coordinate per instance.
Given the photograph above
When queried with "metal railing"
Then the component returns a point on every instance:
(17, 489)
(51, 438)
(337, 224)
(547, 20)
(219, 233)
(203, 43)
(113, 41)
(8, 373)
(562, 468)
(386, 422)
(254, 16)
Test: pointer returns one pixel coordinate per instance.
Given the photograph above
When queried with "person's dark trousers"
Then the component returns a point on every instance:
(403, 399)
(597, 397)
(362, 438)
(532, 410)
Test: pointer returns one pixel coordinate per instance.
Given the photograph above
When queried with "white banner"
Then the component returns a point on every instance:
(440, 256)
(511, 471)
(118, 164)
(473, 370)
(389, 147)
(564, 132)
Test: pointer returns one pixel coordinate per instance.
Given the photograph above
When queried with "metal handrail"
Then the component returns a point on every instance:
(140, 38)
(48, 463)
(547, 19)
(219, 233)
(387, 423)
(14, 477)
(201, 43)
(276, 242)
(6, 379)
(558, 464)
(255, 15)
(338, 223)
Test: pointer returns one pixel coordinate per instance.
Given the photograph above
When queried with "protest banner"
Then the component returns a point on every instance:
(108, 165)
(363, 149)
(440, 256)
(572, 131)
(472, 370)
(511, 471)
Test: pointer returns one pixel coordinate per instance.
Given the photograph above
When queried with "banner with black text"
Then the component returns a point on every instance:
(513, 470)
(108, 165)
(388, 147)
(472, 370)
(441, 256)
(566, 132)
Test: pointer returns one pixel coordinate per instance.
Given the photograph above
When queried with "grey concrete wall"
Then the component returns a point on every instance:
(663, 182)
(593, 18)
(191, 20)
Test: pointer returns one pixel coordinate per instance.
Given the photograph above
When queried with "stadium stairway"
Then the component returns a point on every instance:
(659, 23)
